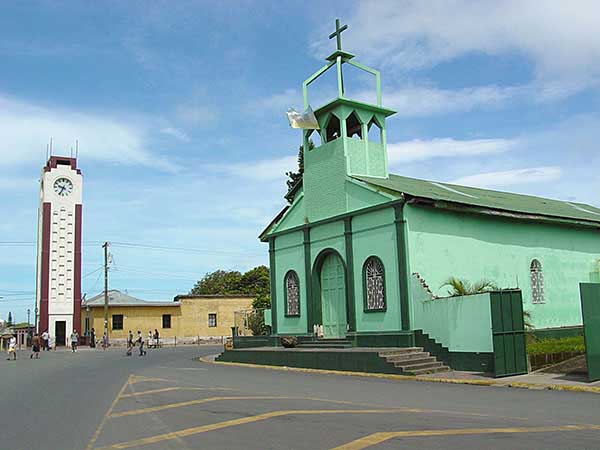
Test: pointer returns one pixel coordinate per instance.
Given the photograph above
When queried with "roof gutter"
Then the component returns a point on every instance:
(462, 207)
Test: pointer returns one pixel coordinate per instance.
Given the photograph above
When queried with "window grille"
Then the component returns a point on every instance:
(212, 320)
(292, 294)
(374, 282)
(537, 282)
(117, 321)
(166, 321)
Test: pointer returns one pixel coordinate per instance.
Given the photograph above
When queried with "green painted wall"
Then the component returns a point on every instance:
(294, 216)
(373, 234)
(443, 244)
(324, 181)
(289, 255)
(330, 235)
(461, 324)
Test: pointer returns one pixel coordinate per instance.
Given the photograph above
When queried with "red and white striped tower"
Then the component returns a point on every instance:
(58, 292)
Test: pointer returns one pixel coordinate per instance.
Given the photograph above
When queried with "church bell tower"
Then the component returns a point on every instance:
(58, 292)
(350, 141)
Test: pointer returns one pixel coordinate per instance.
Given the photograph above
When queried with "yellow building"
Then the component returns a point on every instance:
(188, 318)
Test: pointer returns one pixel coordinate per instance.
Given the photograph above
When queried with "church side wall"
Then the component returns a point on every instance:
(289, 255)
(474, 247)
(374, 234)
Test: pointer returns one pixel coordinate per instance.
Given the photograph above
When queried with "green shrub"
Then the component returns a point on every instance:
(547, 346)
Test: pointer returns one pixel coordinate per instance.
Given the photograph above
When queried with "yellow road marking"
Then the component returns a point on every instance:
(149, 409)
(140, 379)
(173, 388)
(230, 423)
(108, 412)
(378, 438)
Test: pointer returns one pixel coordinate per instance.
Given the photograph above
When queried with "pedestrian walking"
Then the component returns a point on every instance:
(74, 341)
(93, 338)
(36, 342)
(51, 343)
(104, 341)
(149, 342)
(140, 340)
(12, 348)
(45, 338)
(49, 340)
(156, 338)
(129, 343)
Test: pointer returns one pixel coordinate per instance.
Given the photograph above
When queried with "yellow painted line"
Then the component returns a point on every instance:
(140, 379)
(378, 438)
(133, 412)
(107, 414)
(173, 388)
(241, 421)
(386, 376)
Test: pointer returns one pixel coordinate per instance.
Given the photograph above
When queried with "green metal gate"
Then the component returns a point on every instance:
(508, 330)
(590, 310)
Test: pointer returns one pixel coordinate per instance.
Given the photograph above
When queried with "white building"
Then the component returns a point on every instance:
(58, 291)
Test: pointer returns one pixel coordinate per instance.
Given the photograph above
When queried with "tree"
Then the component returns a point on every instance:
(256, 281)
(295, 177)
(231, 282)
(463, 287)
(9, 321)
(219, 282)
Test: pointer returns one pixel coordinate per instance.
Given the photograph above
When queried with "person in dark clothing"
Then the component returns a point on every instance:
(129, 343)
(93, 338)
(156, 338)
(140, 341)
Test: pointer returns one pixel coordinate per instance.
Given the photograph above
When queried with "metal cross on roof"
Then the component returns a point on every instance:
(338, 33)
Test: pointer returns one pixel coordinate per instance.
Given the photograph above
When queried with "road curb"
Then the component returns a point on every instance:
(495, 383)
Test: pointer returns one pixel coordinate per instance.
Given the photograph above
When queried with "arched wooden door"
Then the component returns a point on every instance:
(333, 297)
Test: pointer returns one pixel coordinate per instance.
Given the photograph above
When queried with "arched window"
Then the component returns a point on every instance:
(374, 284)
(537, 281)
(292, 294)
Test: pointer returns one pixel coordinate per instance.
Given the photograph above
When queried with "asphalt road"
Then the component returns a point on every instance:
(170, 400)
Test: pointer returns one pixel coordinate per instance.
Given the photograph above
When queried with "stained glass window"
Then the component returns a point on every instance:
(374, 278)
(292, 294)
(537, 282)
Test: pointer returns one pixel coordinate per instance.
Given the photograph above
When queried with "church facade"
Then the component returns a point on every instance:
(357, 246)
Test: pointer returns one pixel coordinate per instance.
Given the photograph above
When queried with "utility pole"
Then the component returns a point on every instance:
(105, 247)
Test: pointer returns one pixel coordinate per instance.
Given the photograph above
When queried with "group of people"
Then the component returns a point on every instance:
(152, 341)
(43, 342)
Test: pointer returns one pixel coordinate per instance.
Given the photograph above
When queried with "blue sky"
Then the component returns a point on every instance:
(179, 111)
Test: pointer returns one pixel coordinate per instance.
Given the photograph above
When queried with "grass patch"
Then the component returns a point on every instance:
(573, 344)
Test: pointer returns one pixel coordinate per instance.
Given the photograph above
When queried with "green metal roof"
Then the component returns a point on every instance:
(484, 198)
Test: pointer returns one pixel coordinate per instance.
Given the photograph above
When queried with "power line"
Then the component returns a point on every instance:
(183, 250)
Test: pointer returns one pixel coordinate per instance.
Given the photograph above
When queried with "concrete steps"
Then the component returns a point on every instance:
(413, 360)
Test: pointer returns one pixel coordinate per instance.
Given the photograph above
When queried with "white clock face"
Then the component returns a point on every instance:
(63, 187)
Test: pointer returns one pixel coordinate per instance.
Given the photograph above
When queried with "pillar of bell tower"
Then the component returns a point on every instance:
(58, 291)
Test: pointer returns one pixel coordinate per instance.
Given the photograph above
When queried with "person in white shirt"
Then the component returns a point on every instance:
(45, 339)
(12, 348)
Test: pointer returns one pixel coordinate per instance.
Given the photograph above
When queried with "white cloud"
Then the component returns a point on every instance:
(511, 177)
(560, 37)
(289, 98)
(176, 133)
(196, 114)
(419, 150)
(426, 101)
(26, 129)
(267, 169)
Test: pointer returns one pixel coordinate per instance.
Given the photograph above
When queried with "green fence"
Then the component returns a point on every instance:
(508, 333)
(590, 309)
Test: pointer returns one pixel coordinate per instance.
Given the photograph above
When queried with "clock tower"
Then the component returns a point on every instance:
(58, 291)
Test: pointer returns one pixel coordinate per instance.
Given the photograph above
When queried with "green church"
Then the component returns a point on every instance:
(360, 254)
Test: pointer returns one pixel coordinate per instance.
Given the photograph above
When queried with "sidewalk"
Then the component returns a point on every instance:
(534, 380)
